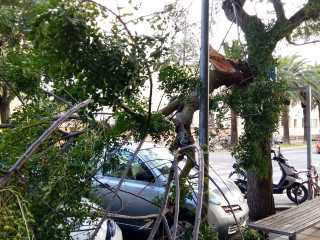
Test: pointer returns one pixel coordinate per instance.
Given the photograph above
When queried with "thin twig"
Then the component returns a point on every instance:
(13, 90)
(301, 44)
(163, 206)
(160, 102)
(55, 117)
(76, 134)
(39, 141)
(110, 189)
(176, 208)
(200, 190)
(108, 159)
(128, 110)
(148, 15)
(117, 190)
(135, 196)
(7, 125)
(144, 218)
(222, 193)
(150, 93)
(75, 100)
(70, 141)
(43, 201)
(117, 16)
(57, 97)
(166, 227)
(126, 192)
(42, 74)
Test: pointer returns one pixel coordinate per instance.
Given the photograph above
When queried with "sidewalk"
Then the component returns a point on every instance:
(282, 202)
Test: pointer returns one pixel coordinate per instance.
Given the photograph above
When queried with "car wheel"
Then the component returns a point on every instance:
(185, 227)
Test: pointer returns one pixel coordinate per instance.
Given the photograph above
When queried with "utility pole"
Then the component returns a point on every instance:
(204, 104)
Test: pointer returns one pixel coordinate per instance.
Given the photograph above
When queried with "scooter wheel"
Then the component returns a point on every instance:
(298, 190)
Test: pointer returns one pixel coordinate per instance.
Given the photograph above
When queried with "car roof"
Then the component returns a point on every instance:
(146, 145)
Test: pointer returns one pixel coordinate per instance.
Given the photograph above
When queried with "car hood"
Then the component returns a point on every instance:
(228, 190)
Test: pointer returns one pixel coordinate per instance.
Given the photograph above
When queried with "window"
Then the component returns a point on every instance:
(302, 125)
(118, 164)
(314, 123)
(295, 123)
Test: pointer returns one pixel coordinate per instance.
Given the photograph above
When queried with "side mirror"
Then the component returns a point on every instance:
(144, 176)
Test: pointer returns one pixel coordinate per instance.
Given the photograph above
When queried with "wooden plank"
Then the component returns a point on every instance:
(273, 230)
(292, 220)
(292, 212)
(309, 224)
(294, 223)
(299, 209)
(298, 220)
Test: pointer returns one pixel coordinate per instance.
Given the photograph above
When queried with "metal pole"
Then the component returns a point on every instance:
(204, 104)
(308, 123)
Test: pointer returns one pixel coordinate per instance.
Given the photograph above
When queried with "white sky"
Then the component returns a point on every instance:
(222, 24)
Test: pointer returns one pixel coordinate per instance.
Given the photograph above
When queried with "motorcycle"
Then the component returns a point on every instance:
(289, 180)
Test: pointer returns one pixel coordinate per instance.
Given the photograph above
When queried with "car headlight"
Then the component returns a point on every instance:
(214, 198)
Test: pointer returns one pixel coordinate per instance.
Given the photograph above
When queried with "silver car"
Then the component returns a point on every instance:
(147, 179)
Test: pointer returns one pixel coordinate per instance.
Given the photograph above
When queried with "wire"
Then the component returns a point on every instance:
(226, 33)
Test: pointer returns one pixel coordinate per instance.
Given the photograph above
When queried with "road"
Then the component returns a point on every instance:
(222, 161)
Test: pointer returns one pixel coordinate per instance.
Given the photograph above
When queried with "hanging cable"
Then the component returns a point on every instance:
(241, 46)
(226, 34)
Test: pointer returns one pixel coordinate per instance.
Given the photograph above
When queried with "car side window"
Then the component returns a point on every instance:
(138, 166)
(117, 167)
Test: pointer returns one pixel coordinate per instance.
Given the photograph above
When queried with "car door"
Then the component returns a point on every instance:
(135, 196)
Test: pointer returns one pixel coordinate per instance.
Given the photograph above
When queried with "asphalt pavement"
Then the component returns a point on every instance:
(221, 162)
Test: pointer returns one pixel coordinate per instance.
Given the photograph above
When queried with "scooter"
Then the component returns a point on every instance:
(289, 180)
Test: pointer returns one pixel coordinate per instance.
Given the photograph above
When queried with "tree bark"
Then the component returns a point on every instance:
(234, 128)
(318, 103)
(4, 105)
(285, 122)
(260, 194)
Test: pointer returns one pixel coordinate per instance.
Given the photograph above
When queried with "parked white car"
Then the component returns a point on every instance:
(108, 231)
(147, 179)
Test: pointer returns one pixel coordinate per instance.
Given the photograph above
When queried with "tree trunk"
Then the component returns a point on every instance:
(285, 122)
(260, 191)
(234, 128)
(4, 105)
(318, 102)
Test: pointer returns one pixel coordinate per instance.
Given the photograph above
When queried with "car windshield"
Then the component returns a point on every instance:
(162, 159)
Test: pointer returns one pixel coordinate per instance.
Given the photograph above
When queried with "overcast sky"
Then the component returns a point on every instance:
(222, 24)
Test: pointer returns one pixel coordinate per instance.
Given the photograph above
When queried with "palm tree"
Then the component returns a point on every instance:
(316, 69)
(297, 73)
